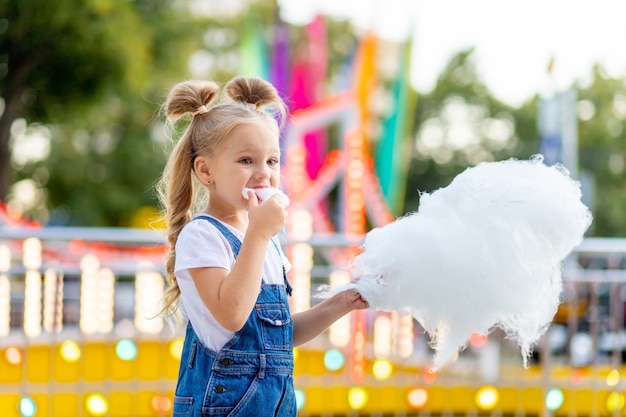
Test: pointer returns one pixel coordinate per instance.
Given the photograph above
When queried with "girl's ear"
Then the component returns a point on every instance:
(201, 168)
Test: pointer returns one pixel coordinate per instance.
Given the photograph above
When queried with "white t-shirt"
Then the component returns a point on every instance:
(201, 244)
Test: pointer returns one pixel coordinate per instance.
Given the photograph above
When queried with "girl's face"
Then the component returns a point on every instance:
(250, 158)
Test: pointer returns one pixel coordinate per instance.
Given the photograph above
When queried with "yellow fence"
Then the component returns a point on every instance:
(98, 382)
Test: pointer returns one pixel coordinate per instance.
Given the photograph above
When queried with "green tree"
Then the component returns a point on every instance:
(55, 55)
(459, 124)
(602, 149)
(88, 73)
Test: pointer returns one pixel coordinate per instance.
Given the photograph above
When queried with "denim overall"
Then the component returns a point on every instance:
(252, 375)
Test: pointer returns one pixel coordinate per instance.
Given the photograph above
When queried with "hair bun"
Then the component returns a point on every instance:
(190, 97)
(251, 90)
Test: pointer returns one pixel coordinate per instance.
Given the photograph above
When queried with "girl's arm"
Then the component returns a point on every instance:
(230, 295)
(310, 323)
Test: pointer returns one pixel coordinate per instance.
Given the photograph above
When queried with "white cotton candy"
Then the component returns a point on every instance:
(483, 252)
(267, 192)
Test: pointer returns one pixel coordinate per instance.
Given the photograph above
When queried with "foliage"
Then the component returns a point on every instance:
(452, 132)
(602, 150)
(459, 124)
(86, 69)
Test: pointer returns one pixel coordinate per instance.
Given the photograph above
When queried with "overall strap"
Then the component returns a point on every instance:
(288, 287)
(235, 244)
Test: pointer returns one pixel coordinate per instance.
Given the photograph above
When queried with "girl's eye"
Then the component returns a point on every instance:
(273, 162)
(246, 161)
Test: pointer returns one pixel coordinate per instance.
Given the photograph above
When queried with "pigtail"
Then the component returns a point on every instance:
(189, 97)
(176, 187)
(176, 194)
(258, 93)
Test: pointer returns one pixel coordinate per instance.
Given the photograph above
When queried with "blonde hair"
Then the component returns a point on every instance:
(247, 100)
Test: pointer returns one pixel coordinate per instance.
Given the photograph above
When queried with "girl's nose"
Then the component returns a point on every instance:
(263, 171)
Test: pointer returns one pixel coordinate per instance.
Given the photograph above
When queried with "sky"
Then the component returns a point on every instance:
(513, 40)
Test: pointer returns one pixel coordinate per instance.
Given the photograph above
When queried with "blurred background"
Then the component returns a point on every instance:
(387, 99)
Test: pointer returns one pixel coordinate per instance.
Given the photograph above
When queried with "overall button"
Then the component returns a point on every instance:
(226, 362)
(220, 389)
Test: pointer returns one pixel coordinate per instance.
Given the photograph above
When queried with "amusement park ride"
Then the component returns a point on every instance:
(76, 337)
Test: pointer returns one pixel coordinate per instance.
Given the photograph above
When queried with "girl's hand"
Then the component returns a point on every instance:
(267, 192)
(267, 218)
(354, 300)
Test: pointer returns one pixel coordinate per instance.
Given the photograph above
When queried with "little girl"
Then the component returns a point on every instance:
(225, 261)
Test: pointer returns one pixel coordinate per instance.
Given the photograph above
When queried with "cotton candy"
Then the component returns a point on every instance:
(268, 192)
(481, 253)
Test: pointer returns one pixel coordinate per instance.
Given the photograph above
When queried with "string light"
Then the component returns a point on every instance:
(5, 290)
(31, 259)
(478, 340)
(52, 301)
(97, 297)
(149, 288)
(28, 408)
(612, 378)
(13, 355)
(176, 348)
(357, 398)
(89, 294)
(615, 402)
(301, 225)
(487, 398)
(5, 305)
(382, 369)
(5, 259)
(70, 351)
(417, 397)
(403, 334)
(577, 377)
(354, 204)
(296, 171)
(339, 331)
(429, 375)
(301, 257)
(333, 360)
(162, 404)
(106, 300)
(376, 204)
(96, 405)
(126, 349)
(382, 336)
(357, 347)
(554, 399)
(32, 303)
(300, 399)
